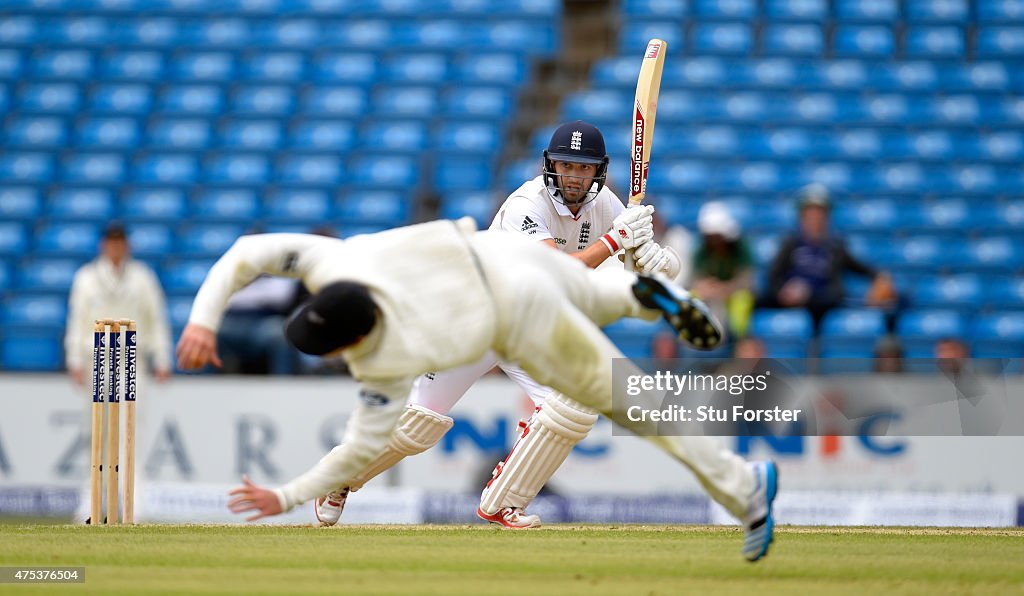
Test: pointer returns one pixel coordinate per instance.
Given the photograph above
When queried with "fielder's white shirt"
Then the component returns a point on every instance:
(532, 211)
(101, 291)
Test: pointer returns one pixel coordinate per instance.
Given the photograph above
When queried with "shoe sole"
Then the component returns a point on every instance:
(690, 317)
(496, 520)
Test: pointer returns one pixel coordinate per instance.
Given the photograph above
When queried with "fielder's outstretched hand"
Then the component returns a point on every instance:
(250, 497)
(197, 348)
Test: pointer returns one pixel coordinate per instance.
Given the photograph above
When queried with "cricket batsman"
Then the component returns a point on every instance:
(433, 297)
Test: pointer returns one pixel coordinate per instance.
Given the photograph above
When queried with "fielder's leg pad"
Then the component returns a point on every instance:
(418, 429)
(547, 440)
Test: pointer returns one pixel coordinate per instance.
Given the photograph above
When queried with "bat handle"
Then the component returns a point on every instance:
(629, 262)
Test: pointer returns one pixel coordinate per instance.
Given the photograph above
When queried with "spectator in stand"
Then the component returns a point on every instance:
(888, 355)
(251, 337)
(807, 272)
(723, 268)
(952, 355)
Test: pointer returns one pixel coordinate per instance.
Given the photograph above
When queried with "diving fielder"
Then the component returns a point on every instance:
(437, 296)
(570, 209)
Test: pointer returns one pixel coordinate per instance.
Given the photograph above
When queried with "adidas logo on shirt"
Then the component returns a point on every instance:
(528, 224)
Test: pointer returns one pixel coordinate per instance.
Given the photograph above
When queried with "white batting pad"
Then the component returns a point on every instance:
(418, 429)
(553, 431)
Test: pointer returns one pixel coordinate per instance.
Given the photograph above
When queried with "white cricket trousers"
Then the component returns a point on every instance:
(550, 326)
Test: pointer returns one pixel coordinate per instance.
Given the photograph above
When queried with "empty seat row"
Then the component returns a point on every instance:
(827, 109)
(312, 8)
(284, 67)
(861, 41)
(833, 75)
(277, 101)
(523, 36)
(335, 101)
(941, 11)
(169, 133)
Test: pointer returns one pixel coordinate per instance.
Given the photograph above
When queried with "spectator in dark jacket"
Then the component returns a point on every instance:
(808, 270)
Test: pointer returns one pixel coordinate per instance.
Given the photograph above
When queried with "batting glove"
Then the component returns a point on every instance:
(630, 229)
(654, 258)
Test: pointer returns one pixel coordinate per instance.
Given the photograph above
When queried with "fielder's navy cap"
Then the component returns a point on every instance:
(578, 142)
(335, 317)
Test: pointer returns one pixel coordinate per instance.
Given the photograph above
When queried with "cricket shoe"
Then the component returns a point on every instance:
(510, 517)
(328, 508)
(760, 523)
(688, 315)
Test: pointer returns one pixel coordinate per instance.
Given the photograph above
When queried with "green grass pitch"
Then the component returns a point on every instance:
(565, 559)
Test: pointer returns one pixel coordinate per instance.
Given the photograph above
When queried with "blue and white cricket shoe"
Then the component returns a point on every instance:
(689, 316)
(760, 529)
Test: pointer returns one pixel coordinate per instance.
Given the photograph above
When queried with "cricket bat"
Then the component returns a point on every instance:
(645, 107)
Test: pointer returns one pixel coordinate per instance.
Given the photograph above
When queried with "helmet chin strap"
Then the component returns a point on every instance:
(558, 195)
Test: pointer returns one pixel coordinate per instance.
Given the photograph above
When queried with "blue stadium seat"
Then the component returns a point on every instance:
(36, 132)
(18, 30)
(722, 38)
(867, 10)
(937, 145)
(793, 40)
(179, 133)
(26, 167)
(270, 100)
(998, 252)
(1003, 327)
(941, 11)
(841, 74)
(479, 205)
(602, 106)
(50, 98)
(1002, 145)
(406, 102)
(462, 175)
(279, 67)
(173, 168)
(81, 204)
(140, 65)
(951, 215)
(236, 169)
(1000, 42)
(47, 275)
(419, 69)
(334, 102)
(864, 42)
(11, 64)
(934, 42)
(208, 240)
(229, 204)
(192, 99)
(362, 34)
(977, 76)
(957, 291)
(1006, 216)
(875, 215)
(634, 35)
(311, 170)
(94, 168)
(178, 310)
(107, 133)
(1002, 11)
(796, 10)
(203, 66)
(396, 136)
(31, 349)
(725, 9)
(384, 171)
(13, 238)
(858, 144)
(346, 67)
(155, 32)
(309, 206)
(784, 324)
(670, 9)
(219, 33)
(926, 252)
(6, 277)
(185, 276)
(120, 99)
(532, 38)
(251, 135)
(151, 240)
(374, 207)
(153, 204)
(474, 137)
(633, 337)
(62, 64)
(519, 171)
(290, 33)
(67, 239)
(322, 135)
(19, 203)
